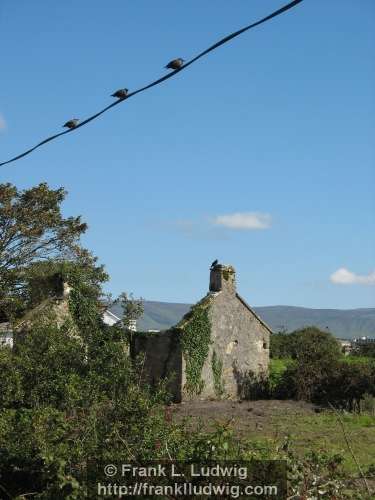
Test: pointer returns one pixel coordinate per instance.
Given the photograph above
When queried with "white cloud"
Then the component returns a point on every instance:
(345, 277)
(3, 124)
(244, 220)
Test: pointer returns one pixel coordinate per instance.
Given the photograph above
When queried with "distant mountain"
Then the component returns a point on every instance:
(157, 315)
(345, 324)
(342, 323)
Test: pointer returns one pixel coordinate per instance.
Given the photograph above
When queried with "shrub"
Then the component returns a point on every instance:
(327, 381)
(308, 343)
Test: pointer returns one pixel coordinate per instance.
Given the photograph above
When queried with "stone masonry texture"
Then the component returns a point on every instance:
(239, 338)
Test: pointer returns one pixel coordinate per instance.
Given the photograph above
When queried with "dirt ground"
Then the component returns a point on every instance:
(246, 417)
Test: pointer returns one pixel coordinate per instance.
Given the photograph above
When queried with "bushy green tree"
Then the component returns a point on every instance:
(33, 230)
(69, 393)
(308, 343)
(316, 371)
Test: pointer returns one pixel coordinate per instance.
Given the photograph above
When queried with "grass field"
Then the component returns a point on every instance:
(323, 432)
(358, 360)
(306, 428)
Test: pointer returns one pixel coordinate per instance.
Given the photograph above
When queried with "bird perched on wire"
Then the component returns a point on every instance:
(71, 123)
(120, 94)
(215, 263)
(175, 64)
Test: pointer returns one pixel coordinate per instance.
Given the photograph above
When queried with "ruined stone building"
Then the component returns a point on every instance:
(213, 349)
(209, 354)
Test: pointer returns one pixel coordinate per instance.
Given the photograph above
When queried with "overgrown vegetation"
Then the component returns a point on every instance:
(228, 273)
(69, 393)
(217, 372)
(306, 343)
(33, 232)
(195, 341)
(365, 350)
(308, 365)
(65, 402)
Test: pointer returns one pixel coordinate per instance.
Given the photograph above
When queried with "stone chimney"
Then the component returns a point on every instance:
(223, 279)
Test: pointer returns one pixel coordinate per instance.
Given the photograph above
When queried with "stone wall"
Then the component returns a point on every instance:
(240, 342)
(239, 338)
(239, 345)
(50, 311)
(162, 359)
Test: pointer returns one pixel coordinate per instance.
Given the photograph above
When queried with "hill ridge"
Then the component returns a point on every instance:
(343, 323)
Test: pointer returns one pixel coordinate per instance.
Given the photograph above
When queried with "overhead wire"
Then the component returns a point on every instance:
(224, 40)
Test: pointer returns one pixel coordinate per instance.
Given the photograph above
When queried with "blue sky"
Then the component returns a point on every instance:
(261, 154)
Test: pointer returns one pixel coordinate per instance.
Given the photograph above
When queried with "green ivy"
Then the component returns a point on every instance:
(84, 311)
(83, 302)
(196, 340)
(217, 372)
(228, 272)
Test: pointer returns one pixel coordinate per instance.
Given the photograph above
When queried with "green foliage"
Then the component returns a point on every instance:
(305, 364)
(217, 372)
(317, 474)
(367, 404)
(196, 340)
(314, 370)
(69, 393)
(366, 350)
(308, 343)
(326, 381)
(47, 363)
(253, 386)
(11, 388)
(318, 372)
(280, 345)
(358, 360)
(33, 231)
(276, 368)
(63, 401)
(77, 401)
(45, 279)
(228, 273)
(132, 309)
(85, 312)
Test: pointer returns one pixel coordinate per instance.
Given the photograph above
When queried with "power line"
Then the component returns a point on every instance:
(160, 80)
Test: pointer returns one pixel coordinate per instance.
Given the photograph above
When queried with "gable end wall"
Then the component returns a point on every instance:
(240, 340)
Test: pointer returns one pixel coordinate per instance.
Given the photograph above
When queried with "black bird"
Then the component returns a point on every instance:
(215, 263)
(71, 123)
(121, 93)
(175, 64)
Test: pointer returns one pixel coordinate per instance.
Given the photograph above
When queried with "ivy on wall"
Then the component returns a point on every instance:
(228, 272)
(217, 372)
(195, 341)
(83, 303)
(84, 310)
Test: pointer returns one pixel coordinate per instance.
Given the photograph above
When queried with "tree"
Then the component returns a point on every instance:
(33, 230)
(66, 399)
(367, 350)
(314, 352)
(307, 344)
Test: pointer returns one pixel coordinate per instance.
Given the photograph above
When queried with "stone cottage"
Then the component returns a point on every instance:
(50, 307)
(210, 353)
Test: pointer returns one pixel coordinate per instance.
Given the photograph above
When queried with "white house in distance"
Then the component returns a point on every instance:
(6, 333)
(111, 319)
